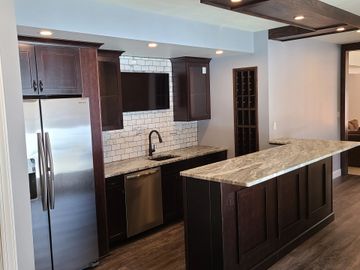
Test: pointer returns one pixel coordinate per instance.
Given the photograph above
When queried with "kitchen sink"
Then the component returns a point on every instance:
(162, 157)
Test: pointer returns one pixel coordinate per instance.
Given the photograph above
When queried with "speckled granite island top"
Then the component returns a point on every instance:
(142, 163)
(261, 166)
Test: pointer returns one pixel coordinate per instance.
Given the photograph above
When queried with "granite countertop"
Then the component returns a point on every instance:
(142, 163)
(264, 165)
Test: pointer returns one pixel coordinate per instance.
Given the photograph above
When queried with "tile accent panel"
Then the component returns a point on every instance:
(132, 141)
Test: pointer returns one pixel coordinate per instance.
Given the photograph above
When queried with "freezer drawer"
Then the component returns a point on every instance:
(143, 197)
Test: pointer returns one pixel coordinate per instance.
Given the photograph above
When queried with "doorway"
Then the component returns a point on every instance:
(350, 106)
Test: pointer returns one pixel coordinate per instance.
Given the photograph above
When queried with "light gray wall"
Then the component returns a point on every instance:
(16, 134)
(304, 81)
(219, 131)
(353, 91)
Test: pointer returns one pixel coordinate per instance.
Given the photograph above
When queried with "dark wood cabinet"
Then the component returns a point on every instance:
(319, 190)
(256, 223)
(110, 90)
(251, 228)
(191, 86)
(291, 204)
(172, 183)
(115, 200)
(172, 190)
(50, 70)
(245, 111)
(58, 70)
(28, 69)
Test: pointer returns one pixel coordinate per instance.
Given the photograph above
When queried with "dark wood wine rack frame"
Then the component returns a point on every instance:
(246, 110)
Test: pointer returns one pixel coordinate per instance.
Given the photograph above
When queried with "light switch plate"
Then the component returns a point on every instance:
(204, 70)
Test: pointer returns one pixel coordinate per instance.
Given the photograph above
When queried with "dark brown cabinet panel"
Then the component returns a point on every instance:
(115, 200)
(291, 189)
(50, 70)
(59, 70)
(257, 220)
(319, 190)
(191, 84)
(28, 69)
(110, 90)
(252, 228)
(245, 111)
(172, 183)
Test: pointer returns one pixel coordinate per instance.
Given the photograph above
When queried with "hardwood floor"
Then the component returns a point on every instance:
(159, 251)
(335, 247)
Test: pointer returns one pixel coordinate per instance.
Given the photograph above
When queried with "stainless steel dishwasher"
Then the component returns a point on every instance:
(143, 196)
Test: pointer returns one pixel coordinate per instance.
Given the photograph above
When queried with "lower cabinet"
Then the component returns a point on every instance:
(172, 194)
(259, 224)
(172, 183)
(116, 212)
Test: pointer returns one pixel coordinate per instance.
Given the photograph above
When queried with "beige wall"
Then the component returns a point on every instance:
(298, 89)
(353, 91)
(219, 131)
(16, 134)
(304, 81)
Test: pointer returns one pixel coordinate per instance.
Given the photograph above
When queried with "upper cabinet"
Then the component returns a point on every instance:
(191, 86)
(28, 69)
(49, 70)
(110, 89)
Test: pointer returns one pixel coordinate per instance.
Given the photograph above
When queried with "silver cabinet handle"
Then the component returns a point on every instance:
(50, 171)
(134, 176)
(43, 172)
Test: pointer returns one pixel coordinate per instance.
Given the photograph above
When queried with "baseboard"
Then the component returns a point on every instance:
(336, 173)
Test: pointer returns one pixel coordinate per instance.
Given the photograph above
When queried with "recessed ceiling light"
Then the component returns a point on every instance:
(358, 31)
(236, 1)
(219, 52)
(46, 33)
(340, 29)
(152, 45)
(299, 18)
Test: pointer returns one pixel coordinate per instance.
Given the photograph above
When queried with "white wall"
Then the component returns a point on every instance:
(353, 91)
(219, 131)
(304, 81)
(16, 134)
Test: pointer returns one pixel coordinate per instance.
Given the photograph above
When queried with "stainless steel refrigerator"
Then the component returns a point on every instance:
(62, 192)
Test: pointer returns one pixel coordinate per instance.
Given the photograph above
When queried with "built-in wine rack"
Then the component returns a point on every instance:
(245, 110)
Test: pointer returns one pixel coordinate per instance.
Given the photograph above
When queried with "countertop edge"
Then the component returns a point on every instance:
(266, 178)
(164, 162)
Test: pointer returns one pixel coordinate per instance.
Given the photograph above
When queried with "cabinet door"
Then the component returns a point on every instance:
(199, 91)
(116, 211)
(58, 70)
(319, 189)
(256, 223)
(28, 69)
(110, 92)
(172, 189)
(292, 203)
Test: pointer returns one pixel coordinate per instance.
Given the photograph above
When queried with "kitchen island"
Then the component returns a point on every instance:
(249, 211)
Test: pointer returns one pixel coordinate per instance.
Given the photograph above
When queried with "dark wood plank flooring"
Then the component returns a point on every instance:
(335, 247)
(162, 250)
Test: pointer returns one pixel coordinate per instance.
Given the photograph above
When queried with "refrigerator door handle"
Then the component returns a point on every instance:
(50, 170)
(43, 174)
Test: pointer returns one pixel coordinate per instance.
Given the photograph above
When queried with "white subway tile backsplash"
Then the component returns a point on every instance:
(132, 141)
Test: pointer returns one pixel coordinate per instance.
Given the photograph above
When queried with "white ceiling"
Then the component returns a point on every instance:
(195, 11)
(130, 46)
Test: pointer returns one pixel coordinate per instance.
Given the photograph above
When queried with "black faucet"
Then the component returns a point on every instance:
(151, 148)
